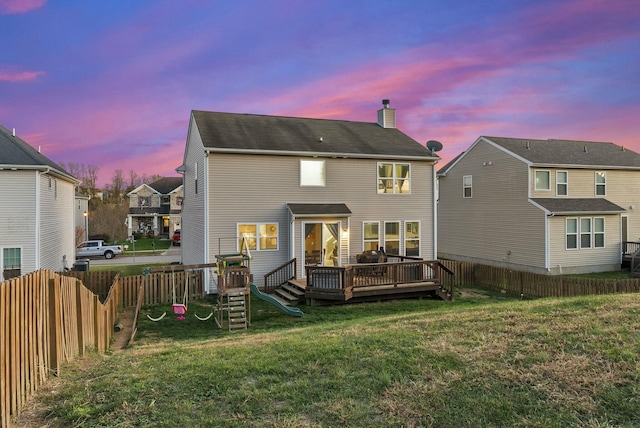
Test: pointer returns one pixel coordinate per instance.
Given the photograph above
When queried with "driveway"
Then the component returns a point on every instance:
(172, 255)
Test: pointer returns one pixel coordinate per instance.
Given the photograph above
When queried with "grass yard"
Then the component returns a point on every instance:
(481, 361)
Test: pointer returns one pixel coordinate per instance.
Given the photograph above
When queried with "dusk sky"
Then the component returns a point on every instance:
(112, 83)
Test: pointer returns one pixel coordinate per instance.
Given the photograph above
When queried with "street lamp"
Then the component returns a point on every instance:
(86, 225)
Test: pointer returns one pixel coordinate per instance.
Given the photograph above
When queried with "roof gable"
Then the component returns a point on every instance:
(237, 133)
(15, 152)
(166, 185)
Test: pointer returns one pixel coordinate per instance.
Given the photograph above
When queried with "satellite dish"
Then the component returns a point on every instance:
(434, 146)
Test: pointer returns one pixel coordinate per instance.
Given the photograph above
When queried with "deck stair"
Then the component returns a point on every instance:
(289, 293)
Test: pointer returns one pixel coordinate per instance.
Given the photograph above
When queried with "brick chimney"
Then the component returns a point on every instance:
(386, 115)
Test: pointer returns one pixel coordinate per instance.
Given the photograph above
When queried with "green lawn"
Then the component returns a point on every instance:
(481, 361)
(147, 244)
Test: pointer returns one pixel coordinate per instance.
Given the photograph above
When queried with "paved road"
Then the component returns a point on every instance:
(169, 256)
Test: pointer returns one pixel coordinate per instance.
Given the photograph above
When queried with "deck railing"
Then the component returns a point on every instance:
(280, 275)
(373, 274)
(629, 248)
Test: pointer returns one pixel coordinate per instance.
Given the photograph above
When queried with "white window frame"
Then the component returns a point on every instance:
(396, 188)
(466, 186)
(399, 238)
(255, 240)
(575, 234)
(562, 183)
(591, 233)
(407, 239)
(313, 173)
(597, 233)
(535, 180)
(602, 184)
(2, 266)
(587, 234)
(365, 240)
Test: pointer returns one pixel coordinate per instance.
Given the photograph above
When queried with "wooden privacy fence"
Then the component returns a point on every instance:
(533, 285)
(47, 319)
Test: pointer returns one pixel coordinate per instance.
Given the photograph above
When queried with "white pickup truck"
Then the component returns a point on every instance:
(97, 248)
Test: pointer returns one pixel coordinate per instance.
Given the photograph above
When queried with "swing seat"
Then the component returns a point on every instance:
(179, 309)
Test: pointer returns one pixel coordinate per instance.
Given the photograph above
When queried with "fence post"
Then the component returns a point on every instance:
(55, 333)
(80, 319)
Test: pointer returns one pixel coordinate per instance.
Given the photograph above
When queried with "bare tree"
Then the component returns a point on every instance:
(92, 179)
(117, 184)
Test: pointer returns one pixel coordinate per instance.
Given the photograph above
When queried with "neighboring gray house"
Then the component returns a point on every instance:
(545, 206)
(37, 225)
(321, 191)
(81, 215)
(155, 208)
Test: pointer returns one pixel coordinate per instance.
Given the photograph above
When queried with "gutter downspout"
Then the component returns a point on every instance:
(435, 214)
(38, 223)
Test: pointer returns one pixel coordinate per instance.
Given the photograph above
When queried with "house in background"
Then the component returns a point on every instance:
(545, 206)
(154, 209)
(37, 226)
(320, 191)
(81, 216)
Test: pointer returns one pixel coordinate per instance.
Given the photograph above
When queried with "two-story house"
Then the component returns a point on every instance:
(545, 206)
(154, 209)
(320, 191)
(37, 226)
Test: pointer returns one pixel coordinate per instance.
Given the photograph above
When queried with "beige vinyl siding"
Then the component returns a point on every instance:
(57, 228)
(18, 215)
(497, 225)
(588, 259)
(257, 188)
(192, 228)
(622, 188)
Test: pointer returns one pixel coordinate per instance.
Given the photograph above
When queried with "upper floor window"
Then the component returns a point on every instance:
(179, 200)
(467, 186)
(144, 201)
(371, 236)
(312, 172)
(11, 263)
(394, 178)
(562, 183)
(165, 199)
(601, 184)
(260, 236)
(542, 180)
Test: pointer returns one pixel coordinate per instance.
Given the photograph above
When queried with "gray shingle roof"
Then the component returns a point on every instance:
(15, 152)
(282, 135)
(319, 209)
(166, 185)
(575, 206)
(568, 152)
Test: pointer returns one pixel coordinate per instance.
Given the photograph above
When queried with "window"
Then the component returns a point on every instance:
(165, 199)
(467, 185)
(589, 230)
(144, 201)
(562, 183)
(11, 263)
(371, 236)
(260, 237)
(392, 237)
(195, 178)
(412, 239)
(601, 184)
(312, 172)
(585, 233)
(179, 200)
(394, 178)
(598, 232)
(572, 233)
(542, 180)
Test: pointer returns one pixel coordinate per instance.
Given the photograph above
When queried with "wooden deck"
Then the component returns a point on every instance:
(374, 282)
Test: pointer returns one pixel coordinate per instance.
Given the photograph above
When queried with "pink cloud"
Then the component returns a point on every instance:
(19, 76)
(8, 7)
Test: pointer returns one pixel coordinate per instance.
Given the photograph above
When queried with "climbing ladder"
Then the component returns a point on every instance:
(233, 309)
